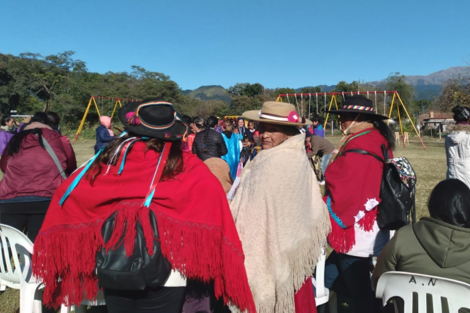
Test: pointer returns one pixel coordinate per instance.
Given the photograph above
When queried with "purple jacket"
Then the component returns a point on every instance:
(5, 137)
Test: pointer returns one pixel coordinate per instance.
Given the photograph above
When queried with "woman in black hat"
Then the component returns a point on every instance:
(143, 171)
(353, 186)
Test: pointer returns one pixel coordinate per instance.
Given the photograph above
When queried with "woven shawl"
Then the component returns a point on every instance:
(282, 223)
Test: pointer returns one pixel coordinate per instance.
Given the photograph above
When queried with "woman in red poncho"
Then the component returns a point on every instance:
(353, 186)
(195, 225)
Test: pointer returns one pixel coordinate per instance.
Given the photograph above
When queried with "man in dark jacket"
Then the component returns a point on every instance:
(209, 143)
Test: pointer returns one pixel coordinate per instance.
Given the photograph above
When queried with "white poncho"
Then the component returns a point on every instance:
(282, 222)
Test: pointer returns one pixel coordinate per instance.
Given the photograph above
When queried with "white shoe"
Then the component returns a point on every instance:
(321, 182)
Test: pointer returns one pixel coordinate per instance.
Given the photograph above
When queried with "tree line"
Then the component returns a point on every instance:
(31, 82)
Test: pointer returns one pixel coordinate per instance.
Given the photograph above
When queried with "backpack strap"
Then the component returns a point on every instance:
(413, 207)
(364, 152)
(53, 156)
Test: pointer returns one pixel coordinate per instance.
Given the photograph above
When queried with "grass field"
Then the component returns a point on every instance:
(429, 165)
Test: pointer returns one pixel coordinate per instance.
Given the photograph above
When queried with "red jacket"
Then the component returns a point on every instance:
(32, 172)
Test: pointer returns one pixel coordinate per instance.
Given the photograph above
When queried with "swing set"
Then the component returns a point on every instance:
(396, 96)
(117, 101)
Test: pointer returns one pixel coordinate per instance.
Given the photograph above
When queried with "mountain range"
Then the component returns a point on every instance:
(426, 86)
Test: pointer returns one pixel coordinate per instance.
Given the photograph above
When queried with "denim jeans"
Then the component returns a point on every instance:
(349, 276)
(324, 163)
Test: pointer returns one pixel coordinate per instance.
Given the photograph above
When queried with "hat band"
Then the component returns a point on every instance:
(358, 108)
(151, 126)
(273, 117)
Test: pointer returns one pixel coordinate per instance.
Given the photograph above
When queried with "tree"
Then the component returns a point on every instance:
(423, 105)
(246, 89)
(40, 75)
(343, 86)
(454, 92)
(407, 93)
(310, 90)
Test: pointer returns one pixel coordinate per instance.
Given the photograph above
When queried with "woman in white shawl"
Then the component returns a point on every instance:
(279, 213)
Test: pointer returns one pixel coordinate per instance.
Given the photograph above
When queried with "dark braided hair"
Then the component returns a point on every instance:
(14, 144)
(385, 131)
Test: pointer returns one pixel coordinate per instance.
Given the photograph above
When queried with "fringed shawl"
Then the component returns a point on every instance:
(196, 229)
(282, 223)
(353, 185)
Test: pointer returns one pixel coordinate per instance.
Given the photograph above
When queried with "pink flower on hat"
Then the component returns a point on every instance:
(293, 117)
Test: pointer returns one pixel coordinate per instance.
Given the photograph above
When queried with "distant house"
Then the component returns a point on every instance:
(434, 120)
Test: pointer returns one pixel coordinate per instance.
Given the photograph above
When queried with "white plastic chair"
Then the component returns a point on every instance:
(405, 285)
(15, 244)
(323, 294)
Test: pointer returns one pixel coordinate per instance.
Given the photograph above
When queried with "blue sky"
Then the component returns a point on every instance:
(276, 43)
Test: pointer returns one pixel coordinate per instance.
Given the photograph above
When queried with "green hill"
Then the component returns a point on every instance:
(213, 92)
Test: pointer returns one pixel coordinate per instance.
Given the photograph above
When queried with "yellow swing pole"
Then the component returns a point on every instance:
(329, 108)
(336, 103)
(96, 106)
(115, 106)
(83, 120)
(279, 99)
(411, 121)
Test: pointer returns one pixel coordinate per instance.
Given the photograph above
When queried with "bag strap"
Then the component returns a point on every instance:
(364, 152)
(413, 207)
(53, 156)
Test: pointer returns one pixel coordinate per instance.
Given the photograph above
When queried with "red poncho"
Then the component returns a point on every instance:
(196, 229)
(353, 182)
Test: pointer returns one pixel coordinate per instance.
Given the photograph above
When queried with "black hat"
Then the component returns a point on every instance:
(154, 118)
(360, 105)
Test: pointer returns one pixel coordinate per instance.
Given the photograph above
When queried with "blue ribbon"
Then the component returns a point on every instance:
(77, 179)
(125, 154)
(149, 198)
(333, 215)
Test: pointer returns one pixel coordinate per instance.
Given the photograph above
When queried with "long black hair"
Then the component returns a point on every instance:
(173, 166)
(450, 202)
(385, 131)
(15, 142)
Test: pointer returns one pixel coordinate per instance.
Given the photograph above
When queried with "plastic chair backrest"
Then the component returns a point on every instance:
(14, 244)
(320, 289)
(440, 291)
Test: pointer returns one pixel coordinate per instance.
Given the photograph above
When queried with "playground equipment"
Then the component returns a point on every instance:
(93, 101)
(300, 108)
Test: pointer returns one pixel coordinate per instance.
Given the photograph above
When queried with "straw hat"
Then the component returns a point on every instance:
(280, 113)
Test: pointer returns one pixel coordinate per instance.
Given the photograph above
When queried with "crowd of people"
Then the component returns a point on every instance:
(232, 206)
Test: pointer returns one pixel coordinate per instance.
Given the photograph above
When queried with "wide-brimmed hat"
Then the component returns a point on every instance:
(360, 105)
(280, 113)
(154, 118)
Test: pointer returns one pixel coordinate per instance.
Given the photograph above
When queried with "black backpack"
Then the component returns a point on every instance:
(116, 271)
(397, 191)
